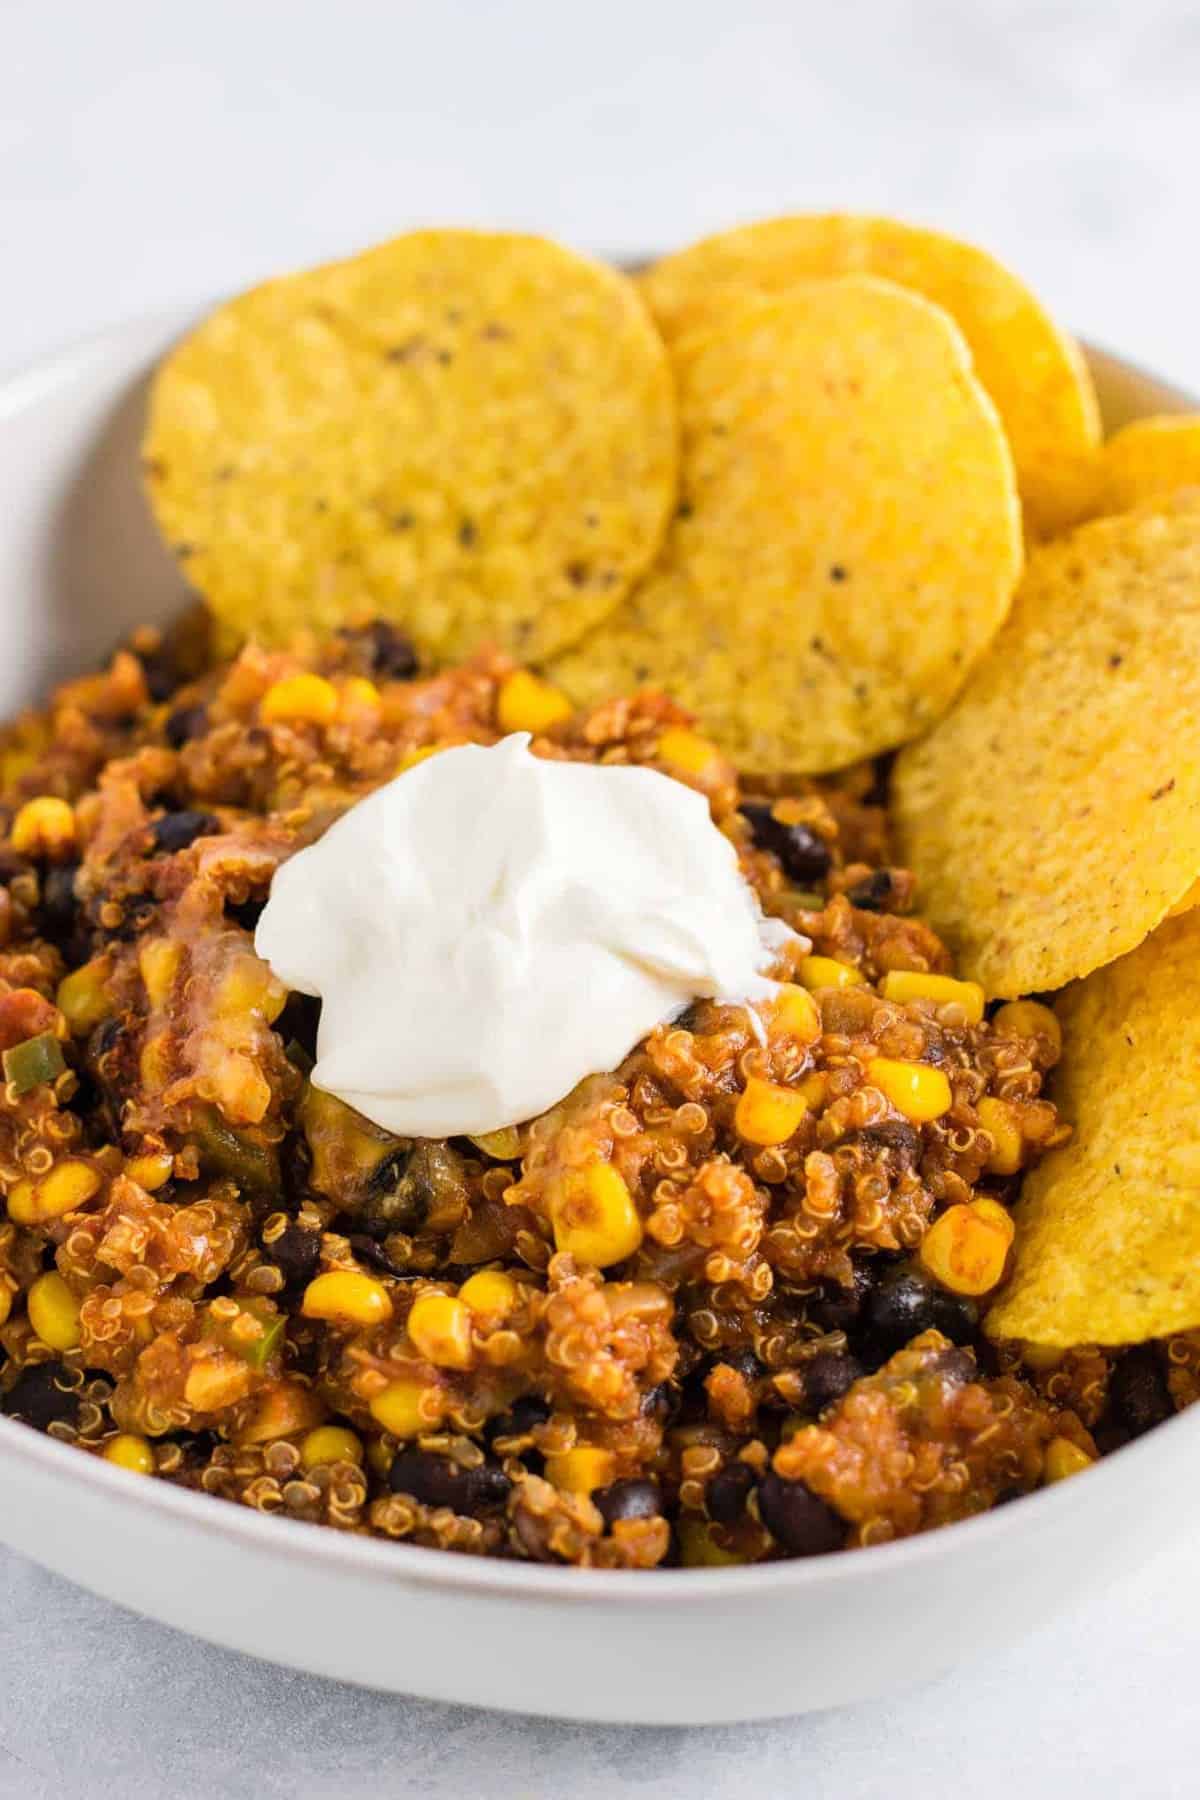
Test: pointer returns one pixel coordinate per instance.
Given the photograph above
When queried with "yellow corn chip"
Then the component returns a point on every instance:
(1053, 817)
(848, 538)
(469, 433)
(1033, 370)
(1146, 461)
(1108, 1227)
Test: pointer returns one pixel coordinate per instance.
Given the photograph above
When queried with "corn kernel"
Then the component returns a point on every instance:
(526, 703)
(903, 985)
(150, 1172)
(6, 1300)
(440, 1329)
(767, 1113)
(83, 997)
(44, 827)
(1042, 1357)
(687, 751)
(582, 1470)
(1028, 1018)
(491, 1293)
(54, 1312)
(818, 972)
(248, 986)
(594, 1217)
(420, 754)
(698, 1549)
(965, 1250)
(921, 1093)
(996, 1214)
(1000, 1122)
(1064, 1458)
(158, 961)
(407, 1407)
(795, 1013)
(330, 1444)
(128, 1451)
(66, 1188)
(359, 695)
(815, 1088)
(300, 700)
(346, 1297)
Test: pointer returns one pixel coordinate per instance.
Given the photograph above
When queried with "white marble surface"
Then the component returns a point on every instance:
(155, 153)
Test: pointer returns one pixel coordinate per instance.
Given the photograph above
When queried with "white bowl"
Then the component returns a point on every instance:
(79, 565)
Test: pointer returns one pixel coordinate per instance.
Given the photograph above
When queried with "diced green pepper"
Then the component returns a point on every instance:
(37, 1060)
(253, 1166)
(259, 1349)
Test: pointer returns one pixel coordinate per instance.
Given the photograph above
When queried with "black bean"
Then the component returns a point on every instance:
(836, 1308)
(39, 1398)
(389, 654)
(176, 830)
(726, 1495)
(904, 1304)
(956, 1366)
(1138, 1392)
(803, 855)
(376, 1257)
(184, 724)
(873, 894)
(828, 1376)
(956, 1316)
(896, 1135)
(162, 677)
(798, 1519)
(633, 1499)
(519, 1420)
(59, 910)
(296, 1253)
(437, 1481)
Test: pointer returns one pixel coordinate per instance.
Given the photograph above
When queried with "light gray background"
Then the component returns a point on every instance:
(153, 153)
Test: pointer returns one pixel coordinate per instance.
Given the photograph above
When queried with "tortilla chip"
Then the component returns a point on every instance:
(1108, 1227)
(848, 539)
(468, 433)
(1033, 370)
(1148, 460)
(1053, 817)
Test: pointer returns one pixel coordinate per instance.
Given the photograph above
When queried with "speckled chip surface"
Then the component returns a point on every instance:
(848, 538)
(1053, 818)
(470, 433)
(1031, 368)
(1108, 1228)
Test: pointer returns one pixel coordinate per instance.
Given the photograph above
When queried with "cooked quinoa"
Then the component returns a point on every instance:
(720, 1305)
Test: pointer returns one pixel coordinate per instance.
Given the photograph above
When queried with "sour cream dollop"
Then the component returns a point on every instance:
(492, 926)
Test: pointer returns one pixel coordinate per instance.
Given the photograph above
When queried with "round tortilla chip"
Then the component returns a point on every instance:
(1034, 372)
(1053, 817)
(848, 539)
(1148, 460)
(469, 433)
(1108, 1227)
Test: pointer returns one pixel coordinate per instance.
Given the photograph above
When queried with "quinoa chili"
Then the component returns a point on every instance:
(720, 1305)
